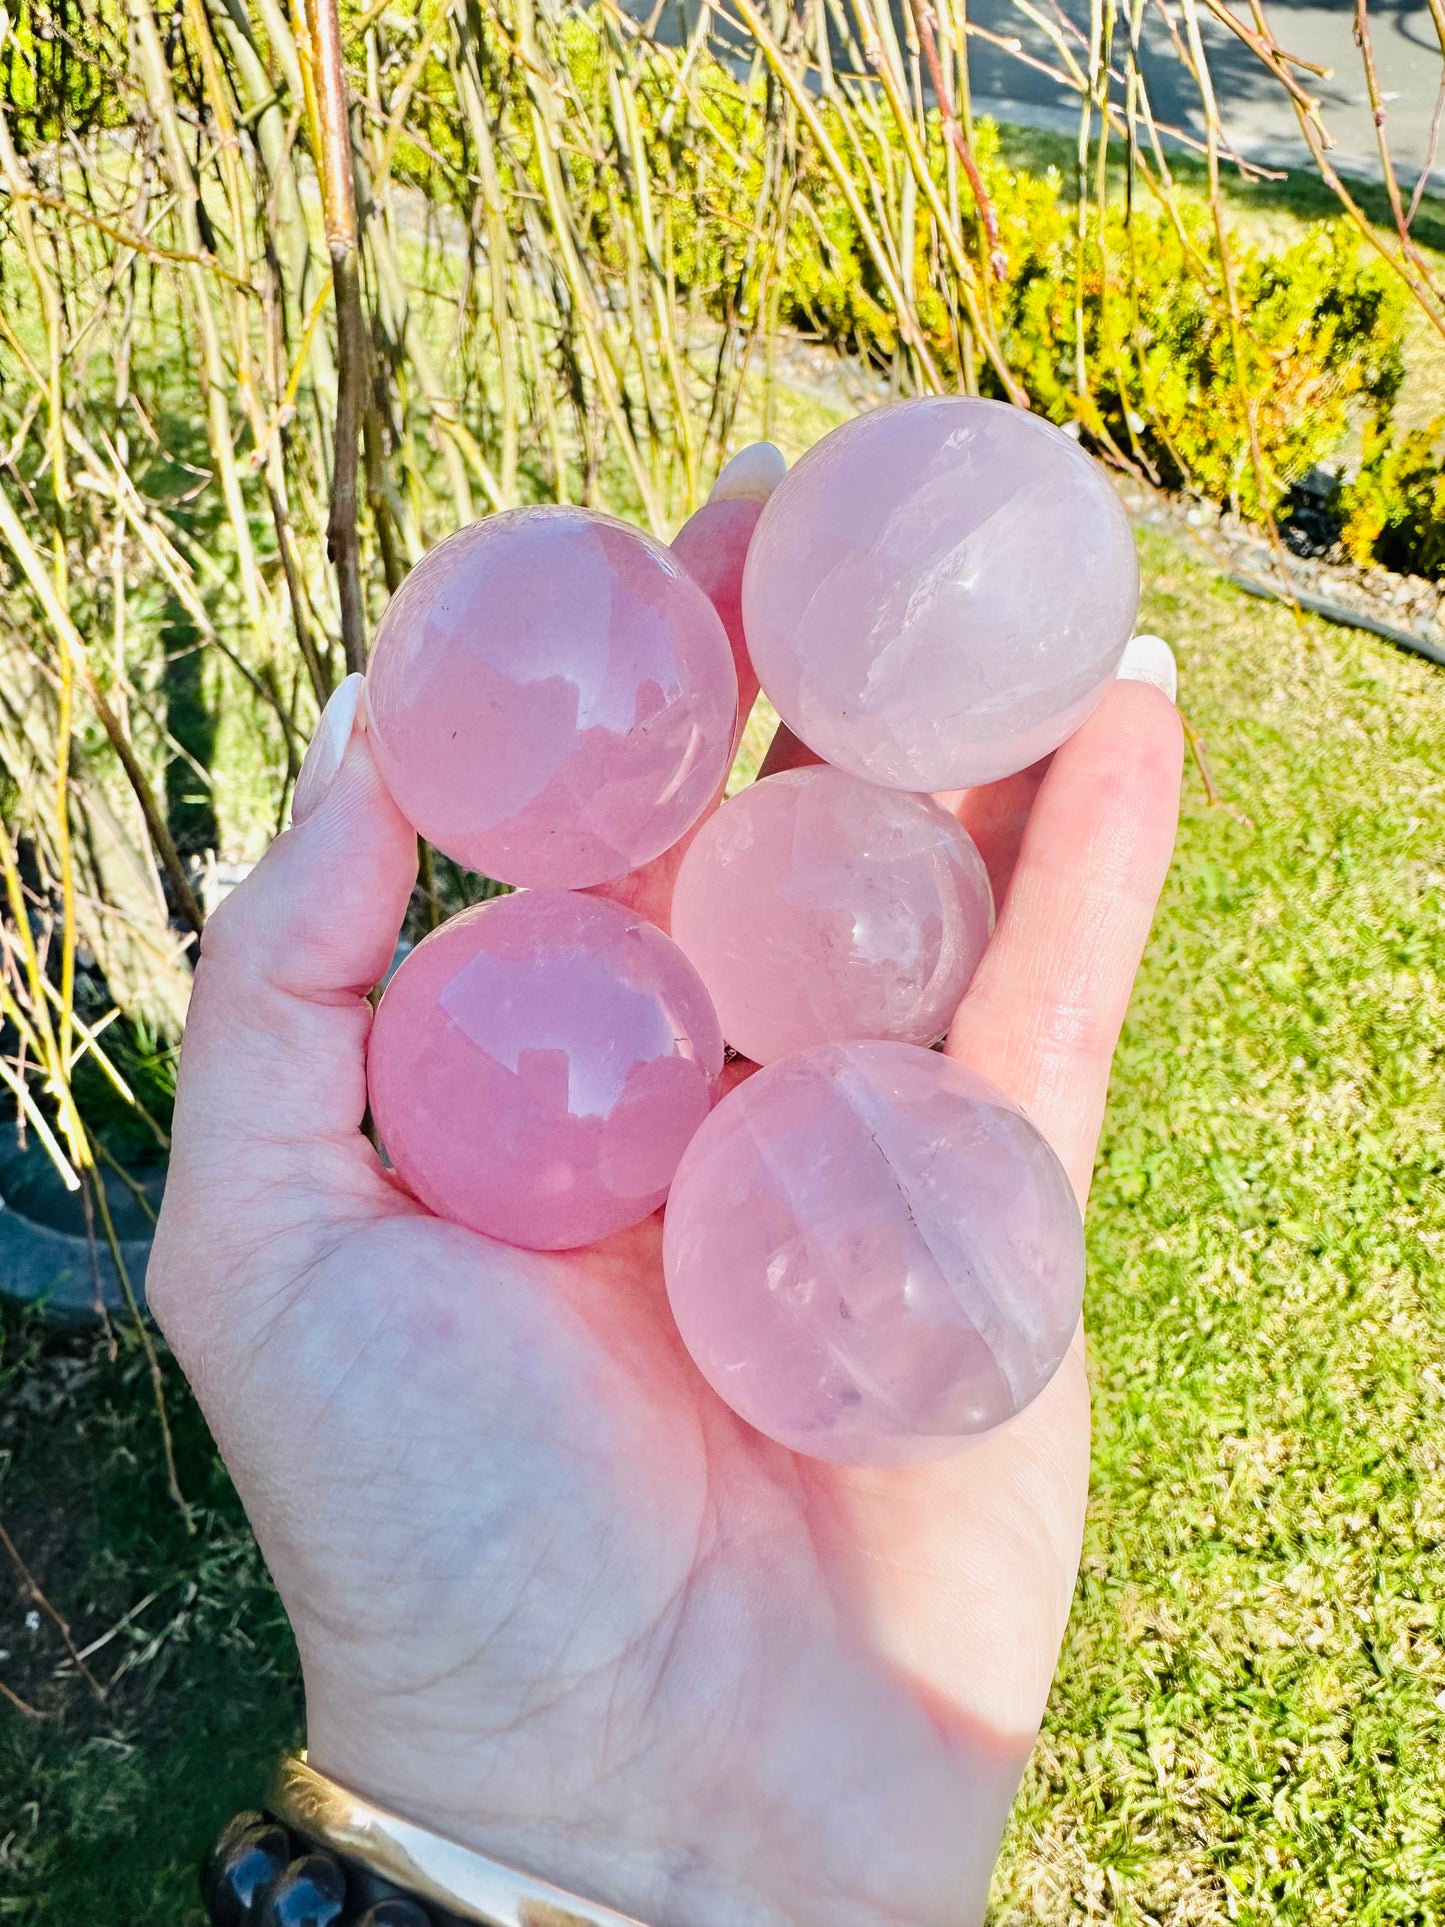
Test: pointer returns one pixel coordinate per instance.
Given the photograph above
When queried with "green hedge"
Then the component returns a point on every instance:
(1230, 370)
(1167, 379)
(1305, 375)
(1395, 506)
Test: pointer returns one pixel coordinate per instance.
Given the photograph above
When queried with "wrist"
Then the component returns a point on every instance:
(812, 1791)
(611, 1870)
(742, 1857)
(322, 1854)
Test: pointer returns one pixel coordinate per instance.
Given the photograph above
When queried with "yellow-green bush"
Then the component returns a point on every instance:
(1315, 355)
(1236, 410)
(1133, 333)
(48, 87)
(1394, 508)
(1213, 363)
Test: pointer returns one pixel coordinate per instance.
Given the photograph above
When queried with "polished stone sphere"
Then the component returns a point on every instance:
(538, 1065)
(939, 592)
(818, 908)
(872, 1255)
(552, 698)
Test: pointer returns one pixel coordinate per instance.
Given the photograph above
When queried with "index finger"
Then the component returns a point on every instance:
(1043, 1014)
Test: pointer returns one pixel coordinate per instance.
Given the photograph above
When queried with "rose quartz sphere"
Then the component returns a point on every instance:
(939, 592)
(538, 1065)
(818, 908)
(872, 1255)
(551, 698)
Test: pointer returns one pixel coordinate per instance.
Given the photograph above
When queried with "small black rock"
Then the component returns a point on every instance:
(249, 1855)
(1309, 520)
(310, 1893)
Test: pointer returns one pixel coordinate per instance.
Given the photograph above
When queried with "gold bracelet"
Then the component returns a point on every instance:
(439, 1871)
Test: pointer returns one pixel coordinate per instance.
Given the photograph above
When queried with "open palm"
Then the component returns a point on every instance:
(551, 1597)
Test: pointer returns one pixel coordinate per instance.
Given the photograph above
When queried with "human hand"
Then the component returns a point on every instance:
(552, 1599)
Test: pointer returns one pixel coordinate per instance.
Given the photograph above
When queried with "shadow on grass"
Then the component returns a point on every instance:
(115, 1781)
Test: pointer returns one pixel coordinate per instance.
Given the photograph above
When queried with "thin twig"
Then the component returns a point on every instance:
(1431, 150)
(926, 21)
(339, 199)
(62, 625)
(33, 1587)
(1212, 797)
(127, 237)
(148, 1350)
(1366, 46)
(21, 1705)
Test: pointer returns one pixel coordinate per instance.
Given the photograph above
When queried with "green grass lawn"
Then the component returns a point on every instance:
(1250, 1716)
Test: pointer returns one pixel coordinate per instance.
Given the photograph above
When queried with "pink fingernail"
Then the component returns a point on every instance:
(328, 746)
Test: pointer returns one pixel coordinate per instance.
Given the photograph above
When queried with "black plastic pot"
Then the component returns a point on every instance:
(46, 1258)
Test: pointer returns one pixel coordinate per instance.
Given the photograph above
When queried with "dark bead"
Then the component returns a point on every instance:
(249, 1855)
(365, 1888)
(310, 1893)
(395, 1913)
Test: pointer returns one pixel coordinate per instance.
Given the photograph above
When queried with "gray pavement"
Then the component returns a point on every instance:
(1258, 118)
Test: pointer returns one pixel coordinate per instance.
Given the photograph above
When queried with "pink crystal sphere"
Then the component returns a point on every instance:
(939, 592)
(551, 698)
(538, 1065)
(818, 908)
(872, 1255)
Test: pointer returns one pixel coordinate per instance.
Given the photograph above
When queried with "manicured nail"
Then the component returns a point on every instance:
(752, 474)
(1150, 659)
(328, 746)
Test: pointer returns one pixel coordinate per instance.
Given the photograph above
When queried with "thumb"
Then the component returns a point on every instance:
(272, 1086)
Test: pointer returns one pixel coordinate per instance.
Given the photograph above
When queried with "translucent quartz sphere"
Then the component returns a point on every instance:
(939, 592)
(551, 698)
(818, 908)
(872, 1255)
(538, 1065)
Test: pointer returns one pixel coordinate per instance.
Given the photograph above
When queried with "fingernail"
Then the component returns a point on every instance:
(1150, 659)
(752, 474)
(323, 759)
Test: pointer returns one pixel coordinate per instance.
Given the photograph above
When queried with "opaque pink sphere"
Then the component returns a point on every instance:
(872, 1255)
(538, 1065)
(818, 908)
(551, 697)
(940, 592)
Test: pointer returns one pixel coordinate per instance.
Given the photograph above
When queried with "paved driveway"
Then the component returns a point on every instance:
(1257, 115)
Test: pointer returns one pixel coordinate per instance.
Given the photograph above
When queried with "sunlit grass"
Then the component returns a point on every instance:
(1249, 1717)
